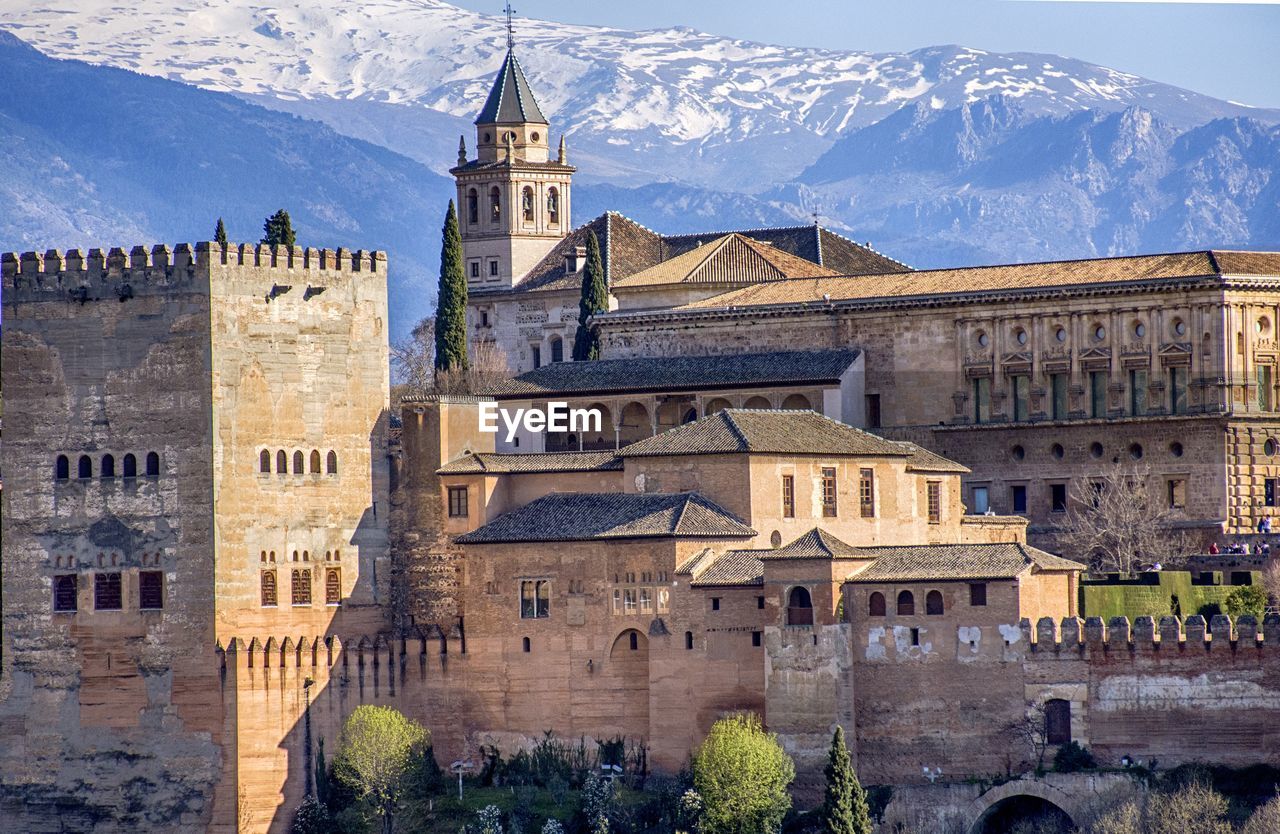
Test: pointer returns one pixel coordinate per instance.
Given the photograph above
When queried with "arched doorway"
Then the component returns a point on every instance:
(625, 679)
(605, 438)
(634, 424)
(1024, 812)
(799, 607)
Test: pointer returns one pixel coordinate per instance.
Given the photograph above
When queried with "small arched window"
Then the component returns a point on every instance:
(297, 463)
(108, 466)
(635, 641)
(906, 604)
(553, 206)
(86, 467)
(495, 205)
(333, 462)
(268, 588)
(282, 462)
(264, 461)
(62, 468)
(526, 204)
(473, 207)
(688, 639)
(315, 462)
(875, 605)
(130, 466)
(799, 607)
(153, 465)
(557, 349)
(933, 603)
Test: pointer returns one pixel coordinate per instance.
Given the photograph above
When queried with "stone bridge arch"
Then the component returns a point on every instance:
(978, 810)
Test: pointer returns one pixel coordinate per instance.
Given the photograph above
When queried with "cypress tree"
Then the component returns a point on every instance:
(322, 776)
(595, 299)
(844, 805)
(220, 233)
(451, 299)
(278, 230)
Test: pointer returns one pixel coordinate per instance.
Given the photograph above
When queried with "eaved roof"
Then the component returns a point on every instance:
(511, 99)
(923, 460)
(768, 432)
(680, 373)
(915, 563)
(736, 567)
(566, 516)
(732, 258)
(476, 463)
(815, 544)
(1008, 277)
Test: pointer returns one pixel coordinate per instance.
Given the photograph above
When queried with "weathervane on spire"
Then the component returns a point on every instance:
(511, 30)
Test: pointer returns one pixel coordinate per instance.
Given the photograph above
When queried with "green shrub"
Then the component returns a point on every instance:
(1247, 599)
(1071, 757)
(742, 774)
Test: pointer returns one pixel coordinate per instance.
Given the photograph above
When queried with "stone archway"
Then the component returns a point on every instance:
(1026, 792)
(624, 686)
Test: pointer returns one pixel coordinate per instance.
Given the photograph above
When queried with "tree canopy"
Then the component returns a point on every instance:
(594, 299)
(220, 233)
(278, 230)
(451, 299)
(742, 774)
(378, 747)
(844, 803)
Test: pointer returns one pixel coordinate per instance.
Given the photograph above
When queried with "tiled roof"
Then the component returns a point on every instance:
(815, 544)
(912, 563)
(567, 516)
(1050, 274)
(733, 258)
(474, 463)
(510, 100)
(677, 373)
(776, 432)
(812, 242)
(923, 460)
(735, 567)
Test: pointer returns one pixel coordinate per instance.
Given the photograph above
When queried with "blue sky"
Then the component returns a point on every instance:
(1227, 50)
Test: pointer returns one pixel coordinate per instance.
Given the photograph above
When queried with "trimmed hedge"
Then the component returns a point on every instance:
(1133, 599)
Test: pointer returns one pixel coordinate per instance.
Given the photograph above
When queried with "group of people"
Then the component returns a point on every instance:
(1243, 548)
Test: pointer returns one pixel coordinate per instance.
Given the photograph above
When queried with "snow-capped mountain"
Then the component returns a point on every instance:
(685, 105)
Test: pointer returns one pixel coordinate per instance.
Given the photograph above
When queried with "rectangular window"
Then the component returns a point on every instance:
(760, 602)
(1058, 498)
(332, 586)
(268, 582)
(629, 600)
(617, 602)
(646, 601)
(828, 492)
(1018, 498)
(1098, 394)
(1265, 390)
(1058, 390)
(1177, 488)
(866, 492)
(64, 592)
(873, 411)
(788, 496)
(1137, 392)
(493, 269)
(981, 500)
(300, 586)
(151, 590)
(535, 599)
(475, 269)
(1021, 386)
(107, 593)
(458, 502)
(982, 399)
(536, 352)
(1178, 390)
(1271, 492)
(933, 490)
(978, 593)
(664, 601)
(757, 638)
(715, 603)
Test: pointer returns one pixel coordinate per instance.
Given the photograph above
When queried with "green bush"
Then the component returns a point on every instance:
(742, 774)
(1247, 599)
(1071, 757)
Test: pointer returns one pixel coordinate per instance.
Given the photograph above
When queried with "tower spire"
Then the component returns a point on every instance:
(511, 30)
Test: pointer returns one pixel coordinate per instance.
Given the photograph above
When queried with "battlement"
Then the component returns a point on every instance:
(357, 650)
(1074, 636)
(116, 273)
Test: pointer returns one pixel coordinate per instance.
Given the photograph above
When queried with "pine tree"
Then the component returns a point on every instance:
(278, 230)
(220, 233)
(595, 299)
(451, 299)
(844, 805)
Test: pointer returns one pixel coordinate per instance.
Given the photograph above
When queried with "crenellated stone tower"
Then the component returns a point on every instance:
(513, 198)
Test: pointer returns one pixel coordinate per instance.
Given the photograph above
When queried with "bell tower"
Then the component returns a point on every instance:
(513, 197)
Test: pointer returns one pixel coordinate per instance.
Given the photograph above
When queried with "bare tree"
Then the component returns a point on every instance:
(487, 367)
(1115, 521)
(413, 359)
(1031, 732)
(1271, 582)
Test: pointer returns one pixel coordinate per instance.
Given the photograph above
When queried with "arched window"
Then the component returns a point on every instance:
(688, 639)
(526, 204)
(332, 586)
(153, 465)
(130, 466)
(553, 206)
(62, 468)
(268, 588)
(297, 463)
(799, 607)
(264, 461)
(315, 462)
(282, 462)
(333, 462)
(495, 205)
(524, 641)
(875, 605)
(473, 207)
(796, 402)
(635, 640)
(557, 349)
(906, 604)
(1057, 721)
(86, 467)
(108, 466)
(933, 603)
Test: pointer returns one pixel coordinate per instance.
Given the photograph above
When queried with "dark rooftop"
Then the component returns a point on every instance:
(911, 563)
(475, 463)
(768, 432)
(511, 100)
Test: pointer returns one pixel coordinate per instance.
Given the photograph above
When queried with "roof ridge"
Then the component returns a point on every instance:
(684, 507)
(736, 429)
(867, 246)
(713, 248)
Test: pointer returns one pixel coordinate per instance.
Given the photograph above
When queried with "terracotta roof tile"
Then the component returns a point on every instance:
(735, 567)
(815, 544)
(733, 258)
(916, 563)
(474, 463)
(768, 432)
